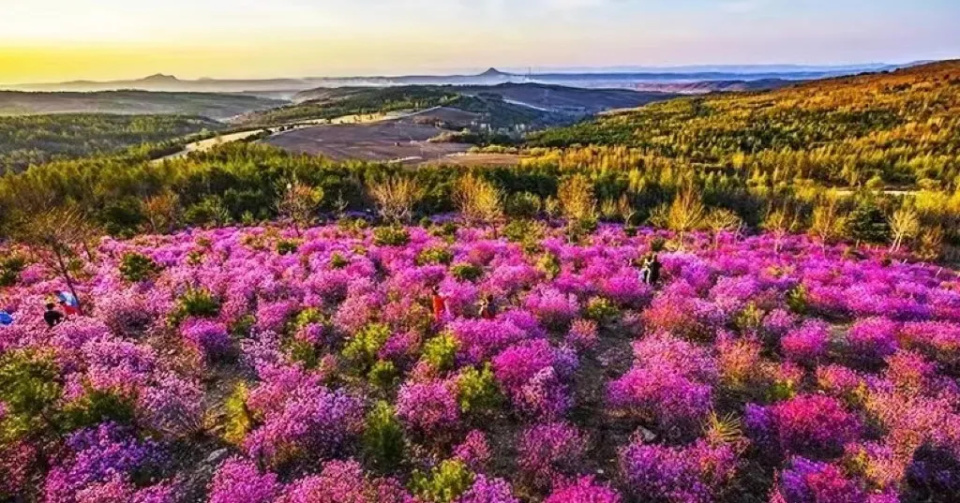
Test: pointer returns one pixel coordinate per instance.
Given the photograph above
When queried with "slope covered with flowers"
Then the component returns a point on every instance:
(253, 365)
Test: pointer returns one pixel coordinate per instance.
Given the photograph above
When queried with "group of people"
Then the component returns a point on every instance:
(441, 307)
(650, 269)
(51, 315)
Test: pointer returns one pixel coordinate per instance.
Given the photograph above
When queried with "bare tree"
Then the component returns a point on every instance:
(478, 200)
(163, 212)
(56, 233)
(904, 224)
(722, 220)
(552, 207)
(828, 224)
(685, 214)
(779, 222)
(577, 199)
(298, 204)
(930, 247)
(396, 197)
(626, 209)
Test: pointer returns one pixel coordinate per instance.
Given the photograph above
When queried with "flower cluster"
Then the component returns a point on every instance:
(445, 363)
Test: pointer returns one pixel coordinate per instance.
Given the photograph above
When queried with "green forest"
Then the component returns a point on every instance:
(38, 139)
(357, 101)
(814, 158)
(889, 129)
(342, 102)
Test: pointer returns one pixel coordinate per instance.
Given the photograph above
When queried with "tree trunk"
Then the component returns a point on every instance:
(66, 276)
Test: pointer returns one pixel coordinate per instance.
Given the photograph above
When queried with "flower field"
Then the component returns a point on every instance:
(259, 365)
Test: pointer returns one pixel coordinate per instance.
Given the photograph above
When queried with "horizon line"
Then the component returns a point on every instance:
(533, 70)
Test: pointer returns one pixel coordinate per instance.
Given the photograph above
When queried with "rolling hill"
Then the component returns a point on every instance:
(897, 128)
(214, 106)
(503, 106)
(37, 139)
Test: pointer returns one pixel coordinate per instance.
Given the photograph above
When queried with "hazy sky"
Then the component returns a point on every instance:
(46, 40)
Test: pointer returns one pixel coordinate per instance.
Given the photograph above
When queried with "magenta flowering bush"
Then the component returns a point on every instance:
(208, 337)
(693, 474)
(805, 481)
(873, 339)
(584, 490)
(313, 423)
(758, 368)
(547, 452)
(553, 308)
(806, 344)
(487, 490)
(474, 451)
(428, 408)
(808, 425)
(238, 480)
(100, 461)
(345, 482)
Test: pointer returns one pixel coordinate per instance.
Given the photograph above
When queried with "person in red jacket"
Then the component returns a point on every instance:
(439, 305)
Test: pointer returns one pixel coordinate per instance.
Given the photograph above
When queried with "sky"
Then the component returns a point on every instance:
(59, 40)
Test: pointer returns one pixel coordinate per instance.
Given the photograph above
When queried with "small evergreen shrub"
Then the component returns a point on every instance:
(136, 267)
(391, 236)
(382, 439)
(466, 272)
(445, 483)
(441, 352)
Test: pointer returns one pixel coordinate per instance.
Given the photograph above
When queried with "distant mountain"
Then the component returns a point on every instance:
(214, 106)
(725, 77)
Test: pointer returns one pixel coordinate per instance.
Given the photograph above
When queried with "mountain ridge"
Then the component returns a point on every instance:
(613, 77)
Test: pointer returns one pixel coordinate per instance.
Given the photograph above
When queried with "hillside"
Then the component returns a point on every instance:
(501, 106)
(38, 139)
(214, 106)
(901, 127)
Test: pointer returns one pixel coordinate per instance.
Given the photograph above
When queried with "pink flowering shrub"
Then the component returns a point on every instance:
(316, 357)
(809, 425)
(240, 481)
(938, 340)
(428, 408)
(208, 337)
(807, 344)
(805, 481)
(552, 308)
(872, 339)
(549, 451)
(488, 490)
(694, 474)
(345, 482)
(101, 459)
(313, 423)
(584, 490)
(474, 451)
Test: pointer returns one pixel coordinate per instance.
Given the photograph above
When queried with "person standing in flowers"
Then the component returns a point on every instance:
(6, 319)
(487, 310)
(440, 307)
(645, 270)
(69, 302)
(51, 316)
(654, 267)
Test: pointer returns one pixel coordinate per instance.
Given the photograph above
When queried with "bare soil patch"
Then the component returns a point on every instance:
(402, 141)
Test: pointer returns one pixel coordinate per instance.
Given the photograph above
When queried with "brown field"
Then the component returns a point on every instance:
(479, 159)
(387, 141)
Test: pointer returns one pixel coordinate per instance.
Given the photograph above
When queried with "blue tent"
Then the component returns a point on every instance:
(5, 318)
